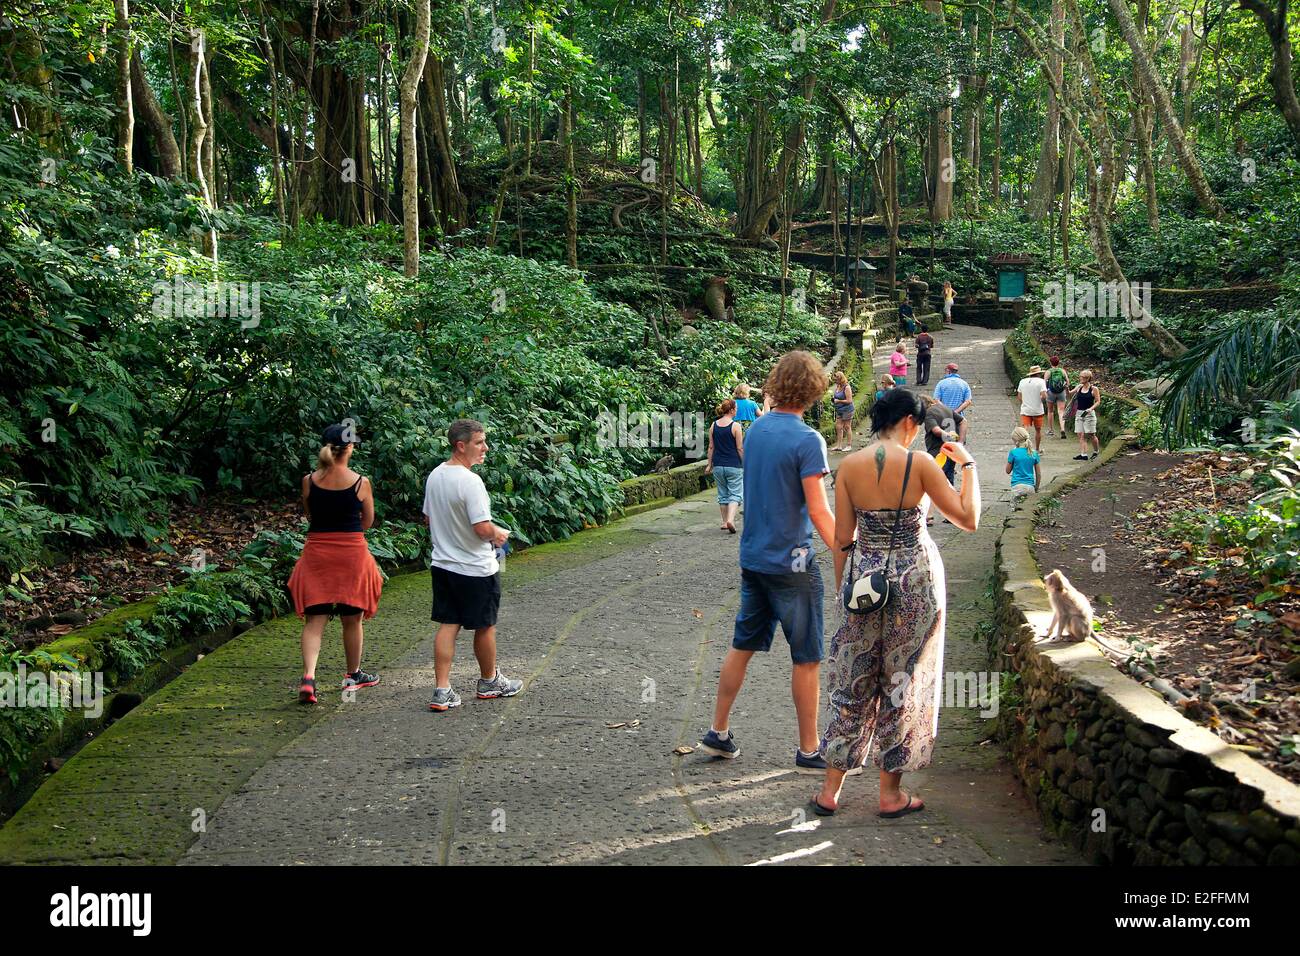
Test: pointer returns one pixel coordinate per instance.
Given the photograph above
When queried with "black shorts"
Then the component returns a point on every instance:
(333, 610)
(468, 601)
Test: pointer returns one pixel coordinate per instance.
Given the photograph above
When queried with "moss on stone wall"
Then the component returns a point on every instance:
(679, 482)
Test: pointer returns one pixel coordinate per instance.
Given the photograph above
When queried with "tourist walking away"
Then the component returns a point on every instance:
(898, 364)
(884, 674)
(924, 345)
(907, 316)
(747, 409)
(1086, 400)
(336, 574)
(842, 401)
(780, 578)
(1023, 464)
(464, 567)
(886, 383)
(726, 457)
(953, 390)
(1058, 384)
(949, 297)
(1032, 392)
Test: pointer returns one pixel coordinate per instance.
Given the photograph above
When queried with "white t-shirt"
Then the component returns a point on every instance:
(1031, 391)
(455, 500)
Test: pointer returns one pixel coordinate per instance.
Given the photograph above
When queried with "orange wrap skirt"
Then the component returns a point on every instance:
(336, 567)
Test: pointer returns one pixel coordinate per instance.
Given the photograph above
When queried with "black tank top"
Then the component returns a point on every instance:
(725, 453)
(334, 509)
(1084, 400)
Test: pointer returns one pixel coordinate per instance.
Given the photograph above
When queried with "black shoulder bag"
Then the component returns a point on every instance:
(873, 590)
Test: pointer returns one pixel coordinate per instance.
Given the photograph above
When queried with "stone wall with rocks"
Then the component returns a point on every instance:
(1112, 768)
(661, 487)
(1229, 299)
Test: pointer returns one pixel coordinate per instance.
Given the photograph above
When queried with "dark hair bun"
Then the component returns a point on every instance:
(892, 407)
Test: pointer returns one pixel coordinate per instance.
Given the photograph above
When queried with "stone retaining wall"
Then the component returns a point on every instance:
(1111, 767)
(1258, 296)
(679, 482)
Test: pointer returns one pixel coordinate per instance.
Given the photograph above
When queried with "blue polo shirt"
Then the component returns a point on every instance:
(951, 390)
(780, 451)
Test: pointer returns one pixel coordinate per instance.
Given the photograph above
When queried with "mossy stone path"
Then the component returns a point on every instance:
(618, 633)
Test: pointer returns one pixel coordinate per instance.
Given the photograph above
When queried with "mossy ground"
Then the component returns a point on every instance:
(136, 793)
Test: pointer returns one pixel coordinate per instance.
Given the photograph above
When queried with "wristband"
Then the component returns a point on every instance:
(969, 464)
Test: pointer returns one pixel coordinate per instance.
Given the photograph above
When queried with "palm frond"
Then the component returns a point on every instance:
(1244, 360)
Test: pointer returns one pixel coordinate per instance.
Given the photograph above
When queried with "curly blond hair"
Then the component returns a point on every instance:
(797, 381)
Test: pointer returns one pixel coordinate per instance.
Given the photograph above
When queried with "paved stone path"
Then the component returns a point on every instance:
(619, 633)
(619, 636)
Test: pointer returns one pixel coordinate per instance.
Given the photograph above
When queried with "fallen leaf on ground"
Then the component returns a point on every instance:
(683, 751)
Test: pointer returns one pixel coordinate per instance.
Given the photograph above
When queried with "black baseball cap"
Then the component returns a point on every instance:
(337, 435)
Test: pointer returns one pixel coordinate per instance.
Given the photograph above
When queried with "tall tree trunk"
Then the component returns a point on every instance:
(1143, 125)
(271, 66)
(640, 116)
(571, 174)
(995, 175)
(198, 135)
(1186, 52)
(697, 147)
(943, 170)
(209, 140)
(447, 195)
(125, 111)
(1042, 193)
(500, 118)
(1173, 129)
(386, 132)
(1280, 76)
(155, 120)
(1067, 189)
(410, 162)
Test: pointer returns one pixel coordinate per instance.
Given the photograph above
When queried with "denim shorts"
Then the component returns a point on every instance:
(731, 483)
(795, 600)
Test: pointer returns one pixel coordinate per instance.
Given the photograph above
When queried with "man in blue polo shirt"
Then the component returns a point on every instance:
(780, 580)
(953, 392)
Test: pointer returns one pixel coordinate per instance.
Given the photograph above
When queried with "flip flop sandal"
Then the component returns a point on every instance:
(820, 810)
(902, 811)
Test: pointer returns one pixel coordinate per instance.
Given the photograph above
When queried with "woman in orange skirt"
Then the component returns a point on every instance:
(336, 573)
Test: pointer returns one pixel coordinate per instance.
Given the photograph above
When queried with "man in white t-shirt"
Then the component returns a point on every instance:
(1031, 390)
(466, 573)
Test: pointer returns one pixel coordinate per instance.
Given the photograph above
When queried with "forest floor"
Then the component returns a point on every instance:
(87, 584)
(1216, 630)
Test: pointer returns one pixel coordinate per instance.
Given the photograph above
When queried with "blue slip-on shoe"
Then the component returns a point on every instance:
(720, 746)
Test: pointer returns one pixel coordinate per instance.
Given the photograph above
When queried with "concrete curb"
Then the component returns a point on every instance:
(1109, 764)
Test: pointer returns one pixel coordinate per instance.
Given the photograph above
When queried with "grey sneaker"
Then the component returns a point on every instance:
(499, 686)
(444, 698)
